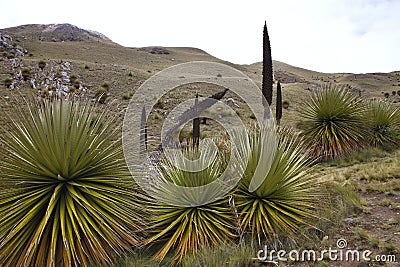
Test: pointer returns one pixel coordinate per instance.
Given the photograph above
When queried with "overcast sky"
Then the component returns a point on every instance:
(323, 35)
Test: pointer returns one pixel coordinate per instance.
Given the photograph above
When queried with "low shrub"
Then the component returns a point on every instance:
(42, 64)
(8, 82)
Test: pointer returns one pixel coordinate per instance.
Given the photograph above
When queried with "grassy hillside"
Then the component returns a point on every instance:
(71, 54)
(97, 60)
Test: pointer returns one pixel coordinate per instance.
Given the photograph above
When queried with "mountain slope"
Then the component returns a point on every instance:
(55, 33)
(94, 60)
(70, 43)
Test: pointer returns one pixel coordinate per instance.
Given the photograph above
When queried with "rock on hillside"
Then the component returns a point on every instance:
(54, 33)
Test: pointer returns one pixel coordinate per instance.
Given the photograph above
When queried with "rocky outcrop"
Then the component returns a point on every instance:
(54, 80)
(158, 50)
(55, 33)
(5, 44)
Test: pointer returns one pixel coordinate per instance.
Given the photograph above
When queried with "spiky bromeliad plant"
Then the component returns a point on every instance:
(333, 122)
(384, 123)
(184, 230)
(286, 197)
(66, 195)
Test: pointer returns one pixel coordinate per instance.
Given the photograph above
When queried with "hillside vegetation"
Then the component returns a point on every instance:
(362, 186)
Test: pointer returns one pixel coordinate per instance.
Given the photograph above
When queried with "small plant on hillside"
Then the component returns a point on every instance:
(130, 74)
(275, 203)
(333, 122)
(127, 96)
(393, 93)
(106, 86)
(86, 67)
(157, 116)
(101, 96)
(42, 64)
(67, 197)
(384, 123)
(26, 73)
(386, 95)
(11, 55)
(72, 78)
(159, 104)
(8, 82)
(58, 74)
(387, 203)
(285, 104)
(76, 84)
(45, 93)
